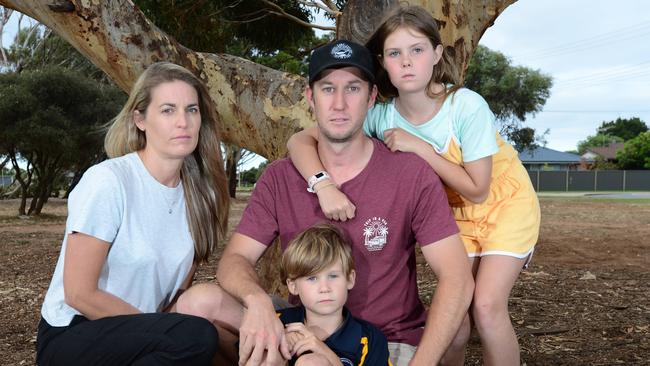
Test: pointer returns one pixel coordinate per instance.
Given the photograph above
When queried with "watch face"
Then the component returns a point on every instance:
(319, 174)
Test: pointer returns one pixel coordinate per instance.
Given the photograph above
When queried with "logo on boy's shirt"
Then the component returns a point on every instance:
(375, 233)
(346, 362)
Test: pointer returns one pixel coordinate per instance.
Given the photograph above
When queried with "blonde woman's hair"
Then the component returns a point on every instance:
(314, 250)
(202, 173)
(418, 19)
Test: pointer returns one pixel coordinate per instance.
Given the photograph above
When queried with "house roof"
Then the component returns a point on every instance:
(607, 152)
(546, 155)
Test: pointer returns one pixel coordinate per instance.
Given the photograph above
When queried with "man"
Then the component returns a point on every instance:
(399, 199)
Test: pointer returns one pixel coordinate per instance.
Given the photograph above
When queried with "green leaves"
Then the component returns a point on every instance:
(598, 140)
(512, 92)
(240, 27)
(623, 127)
(636, 154)
(50, 118)
(620, 130)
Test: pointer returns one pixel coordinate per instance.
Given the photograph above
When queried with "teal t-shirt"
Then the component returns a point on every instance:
(464, 116)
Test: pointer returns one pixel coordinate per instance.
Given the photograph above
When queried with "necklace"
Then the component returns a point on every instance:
(170, 202)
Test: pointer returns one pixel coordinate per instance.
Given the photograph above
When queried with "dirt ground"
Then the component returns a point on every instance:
(583, 301)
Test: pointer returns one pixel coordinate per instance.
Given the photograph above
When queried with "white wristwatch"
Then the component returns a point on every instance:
(316, 178)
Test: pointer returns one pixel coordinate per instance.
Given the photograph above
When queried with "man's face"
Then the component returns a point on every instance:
(340, 101)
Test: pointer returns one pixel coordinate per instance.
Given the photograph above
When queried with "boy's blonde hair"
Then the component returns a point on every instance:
(315, 249)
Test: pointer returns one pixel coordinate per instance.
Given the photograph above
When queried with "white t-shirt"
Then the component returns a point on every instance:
(151, 251)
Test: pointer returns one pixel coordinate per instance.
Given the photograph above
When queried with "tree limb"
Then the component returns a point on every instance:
(328, 6)
(258, 107)
(281, 13)
(5, 15)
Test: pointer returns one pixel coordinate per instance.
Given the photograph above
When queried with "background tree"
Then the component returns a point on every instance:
(35, 49)
(5, 15)
(51, 119)
(249, 177)
(526, 138)
(636, 154)
(512, 92)
(624, 128)
(619, 130)
(258, 108)
(597, 140)
(601, 163)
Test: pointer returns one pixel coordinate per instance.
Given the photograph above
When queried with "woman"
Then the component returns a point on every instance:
(138, 225)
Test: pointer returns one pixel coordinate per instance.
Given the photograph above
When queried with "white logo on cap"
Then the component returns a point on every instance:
(341, 50)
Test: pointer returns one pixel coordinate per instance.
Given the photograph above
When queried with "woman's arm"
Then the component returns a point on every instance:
(471, 181)
(303, 151)
(84, 258)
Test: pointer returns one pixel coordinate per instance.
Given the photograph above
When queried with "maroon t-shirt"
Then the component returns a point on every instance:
(400, 201)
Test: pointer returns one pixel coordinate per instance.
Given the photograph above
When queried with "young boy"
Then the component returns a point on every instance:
(318, 268)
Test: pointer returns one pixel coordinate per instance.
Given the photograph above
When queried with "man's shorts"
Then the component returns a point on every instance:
(400, 353)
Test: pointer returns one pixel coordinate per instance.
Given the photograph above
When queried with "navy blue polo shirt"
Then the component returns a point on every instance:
(356, 342)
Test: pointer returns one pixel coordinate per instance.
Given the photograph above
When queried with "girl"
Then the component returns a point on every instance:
(427, 112)
(138, 225)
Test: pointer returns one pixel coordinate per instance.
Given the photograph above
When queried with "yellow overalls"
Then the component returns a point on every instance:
(507, 222)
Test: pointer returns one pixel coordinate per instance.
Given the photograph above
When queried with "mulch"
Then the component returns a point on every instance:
(583, 301)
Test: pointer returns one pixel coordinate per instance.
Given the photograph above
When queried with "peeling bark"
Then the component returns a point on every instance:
(259, 108)
(360, 18)
(462, 22)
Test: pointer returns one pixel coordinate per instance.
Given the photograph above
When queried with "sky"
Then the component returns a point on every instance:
(596, 51)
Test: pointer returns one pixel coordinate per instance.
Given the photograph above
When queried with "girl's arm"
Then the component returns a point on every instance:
(471, 181)
(84, 258)
(303, 151)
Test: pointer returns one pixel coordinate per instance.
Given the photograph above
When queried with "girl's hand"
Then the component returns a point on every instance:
(396, 139)
(334, 203)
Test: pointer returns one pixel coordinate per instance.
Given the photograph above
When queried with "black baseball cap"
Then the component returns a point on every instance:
(339, 54)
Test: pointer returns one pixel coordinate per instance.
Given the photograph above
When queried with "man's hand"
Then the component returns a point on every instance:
(261, 336)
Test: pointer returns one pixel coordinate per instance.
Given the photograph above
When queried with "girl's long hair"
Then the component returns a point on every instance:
(202, 173)
(420, 20)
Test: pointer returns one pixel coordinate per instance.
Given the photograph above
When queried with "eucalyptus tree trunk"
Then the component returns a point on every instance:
(258, 107)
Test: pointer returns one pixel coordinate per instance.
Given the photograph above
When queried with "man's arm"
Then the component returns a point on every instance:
(448, 260)
(260, 329)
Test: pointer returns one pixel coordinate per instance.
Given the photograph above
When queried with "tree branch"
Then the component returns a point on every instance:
(4, 19)
(328, 6)
(257, 107)
(281, 13)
